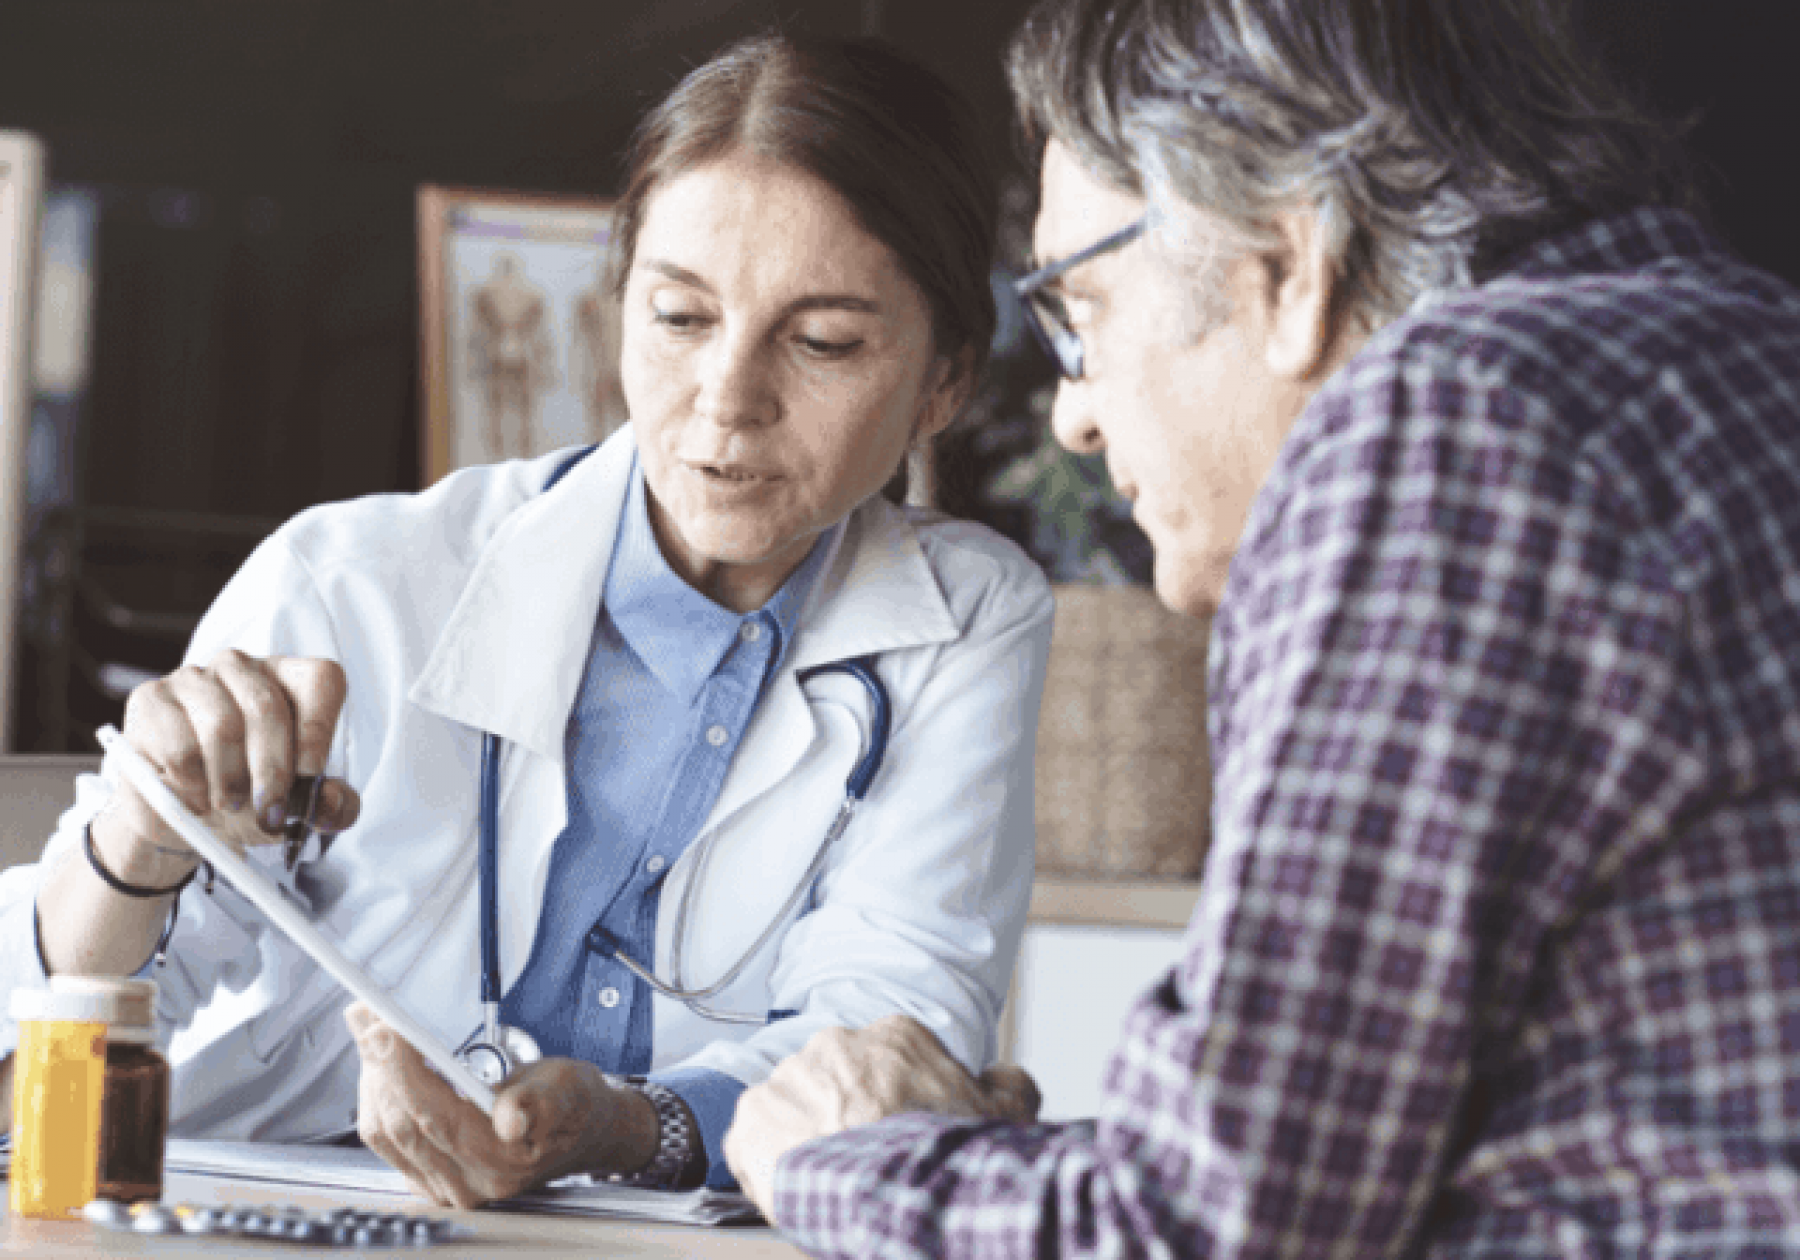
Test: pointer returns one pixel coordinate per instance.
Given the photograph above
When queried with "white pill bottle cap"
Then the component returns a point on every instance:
(127, 1007)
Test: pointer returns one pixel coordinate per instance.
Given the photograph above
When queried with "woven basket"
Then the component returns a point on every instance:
(1124, 780)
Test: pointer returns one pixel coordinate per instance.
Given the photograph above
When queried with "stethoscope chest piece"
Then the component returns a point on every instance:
(493, 1060)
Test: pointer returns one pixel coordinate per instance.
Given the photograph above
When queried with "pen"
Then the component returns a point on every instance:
(296, 826)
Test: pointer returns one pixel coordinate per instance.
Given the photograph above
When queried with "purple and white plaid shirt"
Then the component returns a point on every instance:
(1498, 952)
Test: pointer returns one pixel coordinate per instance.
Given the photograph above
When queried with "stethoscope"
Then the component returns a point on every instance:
(495, 1050)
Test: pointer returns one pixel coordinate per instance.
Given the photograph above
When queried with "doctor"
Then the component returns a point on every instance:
(803, 247)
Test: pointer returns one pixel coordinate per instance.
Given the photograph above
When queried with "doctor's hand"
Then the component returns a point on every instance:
(552, 1118)
(843, 1078)
(229, 739)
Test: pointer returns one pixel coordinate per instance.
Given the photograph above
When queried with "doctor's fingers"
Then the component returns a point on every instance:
(224, 735)
(389, 1136)
(189, 727)
(422, 1125)
(290, 707)
(555, 1114)
(318, 689)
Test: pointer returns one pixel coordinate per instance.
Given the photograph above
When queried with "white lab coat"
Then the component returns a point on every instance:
(470, 608)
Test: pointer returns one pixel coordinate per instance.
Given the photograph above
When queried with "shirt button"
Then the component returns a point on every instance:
(655, 864)
(609, 997)
(717, 735)
(749, 632)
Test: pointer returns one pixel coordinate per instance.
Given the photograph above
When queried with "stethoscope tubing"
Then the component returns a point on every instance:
(856, 788)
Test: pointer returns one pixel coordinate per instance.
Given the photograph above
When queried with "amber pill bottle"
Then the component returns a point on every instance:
(59, 1073)
(134, 1103)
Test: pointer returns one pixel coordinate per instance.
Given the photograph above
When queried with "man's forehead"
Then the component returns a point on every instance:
(1075, 209)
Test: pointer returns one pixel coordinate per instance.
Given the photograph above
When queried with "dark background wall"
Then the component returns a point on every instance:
(255, 334)
(255, 318)
(255, 330)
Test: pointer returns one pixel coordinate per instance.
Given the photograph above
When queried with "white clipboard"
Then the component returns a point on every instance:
(262, 893)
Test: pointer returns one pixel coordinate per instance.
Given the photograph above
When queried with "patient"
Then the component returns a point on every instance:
(803, 250)
(1395, 324)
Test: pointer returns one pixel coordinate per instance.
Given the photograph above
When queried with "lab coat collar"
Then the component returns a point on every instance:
(510, 657)
(878, 593)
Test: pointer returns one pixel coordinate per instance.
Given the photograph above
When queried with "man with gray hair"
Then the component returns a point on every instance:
(1392, 318)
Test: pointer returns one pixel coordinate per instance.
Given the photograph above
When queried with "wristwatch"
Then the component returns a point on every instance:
(680, 1160)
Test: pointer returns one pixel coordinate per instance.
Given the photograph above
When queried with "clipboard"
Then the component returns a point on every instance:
(266, 896)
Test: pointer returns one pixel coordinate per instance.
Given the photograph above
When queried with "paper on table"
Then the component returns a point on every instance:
(362, 1171)
(262, 893)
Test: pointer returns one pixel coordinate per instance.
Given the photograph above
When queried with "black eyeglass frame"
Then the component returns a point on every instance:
(1060, 342)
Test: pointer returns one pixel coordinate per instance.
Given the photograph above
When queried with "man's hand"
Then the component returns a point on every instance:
(552, 1118)
(844, 1078)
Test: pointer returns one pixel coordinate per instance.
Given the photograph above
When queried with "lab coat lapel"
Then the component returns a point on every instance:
(877, 594)
(510, 660)
(510, 657)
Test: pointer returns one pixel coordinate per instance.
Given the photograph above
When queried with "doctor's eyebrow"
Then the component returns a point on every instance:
(810, 302)
(679, 273)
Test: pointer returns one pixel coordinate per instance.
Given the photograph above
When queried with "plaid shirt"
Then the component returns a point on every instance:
(1498, 952)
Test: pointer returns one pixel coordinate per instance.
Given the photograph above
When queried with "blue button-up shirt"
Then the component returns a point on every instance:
(671, 682)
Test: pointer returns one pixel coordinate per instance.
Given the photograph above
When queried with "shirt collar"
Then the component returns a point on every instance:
(681, 636)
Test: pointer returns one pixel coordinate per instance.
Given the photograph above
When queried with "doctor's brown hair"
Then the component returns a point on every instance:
(892, 138)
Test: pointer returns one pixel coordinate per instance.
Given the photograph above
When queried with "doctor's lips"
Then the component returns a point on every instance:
(736, 473)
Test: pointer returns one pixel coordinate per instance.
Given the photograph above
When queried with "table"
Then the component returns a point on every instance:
(496, 1233)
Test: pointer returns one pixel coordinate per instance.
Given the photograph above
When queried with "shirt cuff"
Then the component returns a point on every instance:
(713, 1098)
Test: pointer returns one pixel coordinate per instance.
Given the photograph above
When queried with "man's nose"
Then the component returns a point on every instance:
(1072, 420)
(734, 384)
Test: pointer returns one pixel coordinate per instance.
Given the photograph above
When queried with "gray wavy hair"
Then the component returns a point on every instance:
(1433, 137)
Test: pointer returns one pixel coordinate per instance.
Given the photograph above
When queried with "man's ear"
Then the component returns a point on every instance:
(952, 382)
(1301, 300)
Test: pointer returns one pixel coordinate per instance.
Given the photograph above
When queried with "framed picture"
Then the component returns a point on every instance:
(520, 326)
(21, 193)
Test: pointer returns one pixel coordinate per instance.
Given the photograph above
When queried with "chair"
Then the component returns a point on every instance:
(120, 592)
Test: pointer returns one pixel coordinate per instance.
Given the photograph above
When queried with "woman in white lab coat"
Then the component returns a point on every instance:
(804, 252)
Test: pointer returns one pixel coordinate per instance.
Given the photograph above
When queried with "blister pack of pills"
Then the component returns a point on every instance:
(339, 1227)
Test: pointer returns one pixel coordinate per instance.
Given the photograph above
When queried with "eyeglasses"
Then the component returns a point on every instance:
(1044, 309)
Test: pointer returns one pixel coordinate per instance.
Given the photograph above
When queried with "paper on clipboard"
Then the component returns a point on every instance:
(362, 1172)
(266, 896)
(354, 1169)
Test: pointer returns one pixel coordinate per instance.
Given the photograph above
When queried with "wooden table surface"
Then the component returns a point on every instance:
(496, 1233)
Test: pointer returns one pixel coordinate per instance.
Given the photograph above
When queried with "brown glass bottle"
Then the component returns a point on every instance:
(134, 1103)
(134, 1120)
